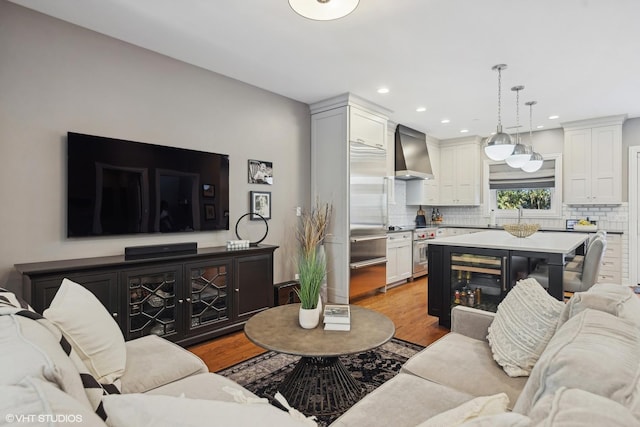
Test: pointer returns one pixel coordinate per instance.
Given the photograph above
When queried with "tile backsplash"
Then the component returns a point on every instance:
(610, 217)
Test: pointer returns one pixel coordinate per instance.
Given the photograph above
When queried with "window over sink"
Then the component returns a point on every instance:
(538, 193)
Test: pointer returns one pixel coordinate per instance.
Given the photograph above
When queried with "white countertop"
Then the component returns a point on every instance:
(549, 242)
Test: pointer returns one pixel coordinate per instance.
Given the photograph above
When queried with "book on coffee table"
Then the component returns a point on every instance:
(334, 313)
(337, 326)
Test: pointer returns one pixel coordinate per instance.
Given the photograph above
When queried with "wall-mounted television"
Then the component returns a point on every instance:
(117, 187)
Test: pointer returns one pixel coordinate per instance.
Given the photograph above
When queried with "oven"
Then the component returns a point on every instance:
(421, 237)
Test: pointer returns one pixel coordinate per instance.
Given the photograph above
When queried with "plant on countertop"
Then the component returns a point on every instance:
(312, 265)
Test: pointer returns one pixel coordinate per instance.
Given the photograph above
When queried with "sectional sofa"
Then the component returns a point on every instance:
(574, 364)
(587, 372)
(72, 367)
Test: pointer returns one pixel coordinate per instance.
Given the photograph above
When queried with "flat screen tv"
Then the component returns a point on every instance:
(117, 187)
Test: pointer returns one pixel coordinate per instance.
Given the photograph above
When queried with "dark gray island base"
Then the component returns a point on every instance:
(479, 269)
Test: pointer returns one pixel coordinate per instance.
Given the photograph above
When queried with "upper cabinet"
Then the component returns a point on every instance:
(459, 172)
(593, 161)
(367, 128)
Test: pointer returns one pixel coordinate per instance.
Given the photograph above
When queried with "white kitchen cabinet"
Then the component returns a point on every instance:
(460, 172)
(334, 123)
(427, 191)
(367, 128)
(399, 257)
(611, 267)
(592, 161)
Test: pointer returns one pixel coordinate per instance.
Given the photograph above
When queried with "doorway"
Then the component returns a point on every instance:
(634, 199)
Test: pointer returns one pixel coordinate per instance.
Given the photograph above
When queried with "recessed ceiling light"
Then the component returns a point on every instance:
(445, 121)
(421, 109)
(553, 117)
(539, 126)
(383, 90)
(464, 130)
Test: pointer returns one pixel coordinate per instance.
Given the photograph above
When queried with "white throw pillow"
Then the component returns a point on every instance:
(34, 402)
(478, 407)
(611, 298)
(569, 407)
(525, 322)
(90, 330)
(142, 410)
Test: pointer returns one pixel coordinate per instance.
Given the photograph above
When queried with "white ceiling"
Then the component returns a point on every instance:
(579, 59)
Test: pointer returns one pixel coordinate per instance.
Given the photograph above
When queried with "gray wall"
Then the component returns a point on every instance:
(56, 77)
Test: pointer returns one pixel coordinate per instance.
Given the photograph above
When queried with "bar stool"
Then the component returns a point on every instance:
(578, 281)
(575, 264)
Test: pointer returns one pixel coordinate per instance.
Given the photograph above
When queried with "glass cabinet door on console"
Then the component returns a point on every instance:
(152, 303)
(208, 294)
(478, 279)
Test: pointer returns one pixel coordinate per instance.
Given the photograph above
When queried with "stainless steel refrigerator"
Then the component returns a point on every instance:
(368, 218)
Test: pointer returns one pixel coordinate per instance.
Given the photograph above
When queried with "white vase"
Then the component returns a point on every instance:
(309, 317)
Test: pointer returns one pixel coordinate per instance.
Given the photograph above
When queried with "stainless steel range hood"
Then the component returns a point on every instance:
(412, 156)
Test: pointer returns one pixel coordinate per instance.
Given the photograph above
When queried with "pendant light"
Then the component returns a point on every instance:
(323, 10)
(499, 146)
(536, 160)
(521, 154)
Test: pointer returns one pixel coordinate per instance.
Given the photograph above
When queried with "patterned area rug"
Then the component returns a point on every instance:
(262, 374)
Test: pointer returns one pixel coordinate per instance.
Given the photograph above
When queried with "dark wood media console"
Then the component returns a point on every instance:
(185, 298)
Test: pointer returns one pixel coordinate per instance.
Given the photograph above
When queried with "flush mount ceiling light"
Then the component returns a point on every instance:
(323, 10)
(521, 154)
(536, 160)
(499, 146)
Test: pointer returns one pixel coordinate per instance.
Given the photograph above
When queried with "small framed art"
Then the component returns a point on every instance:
(209, 212)
(260, 172)
(260, 203)
(208, 190)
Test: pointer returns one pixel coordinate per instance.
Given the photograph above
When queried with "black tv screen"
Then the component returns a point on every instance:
(117, 187)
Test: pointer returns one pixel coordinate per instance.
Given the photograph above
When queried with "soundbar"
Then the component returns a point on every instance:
(156, 251)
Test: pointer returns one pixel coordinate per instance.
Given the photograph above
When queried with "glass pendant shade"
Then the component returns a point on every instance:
(323, 10)
(536, 160)
(499, 146)
(519, 157)
(534, 163)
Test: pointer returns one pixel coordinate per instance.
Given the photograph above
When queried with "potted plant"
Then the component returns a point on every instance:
(312, 264)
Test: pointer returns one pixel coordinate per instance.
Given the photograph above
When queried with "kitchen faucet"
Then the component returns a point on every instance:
(519, 214)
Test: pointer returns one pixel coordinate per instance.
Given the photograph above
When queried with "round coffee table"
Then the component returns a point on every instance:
(319, 383)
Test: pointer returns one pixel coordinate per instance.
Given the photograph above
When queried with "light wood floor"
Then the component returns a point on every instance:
(406, 305)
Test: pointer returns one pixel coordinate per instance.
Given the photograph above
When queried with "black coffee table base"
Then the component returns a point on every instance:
(321, 386)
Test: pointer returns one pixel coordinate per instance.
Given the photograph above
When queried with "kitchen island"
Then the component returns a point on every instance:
(492, 261)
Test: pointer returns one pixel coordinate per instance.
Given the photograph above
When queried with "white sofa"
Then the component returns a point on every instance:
(587, 375)
(43, 382)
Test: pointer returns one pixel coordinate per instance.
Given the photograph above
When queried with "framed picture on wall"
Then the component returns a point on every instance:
(209, 212)
(208, 190)
(260, 203)
(260, 172)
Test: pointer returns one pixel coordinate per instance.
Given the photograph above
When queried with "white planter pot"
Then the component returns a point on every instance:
(309, 317)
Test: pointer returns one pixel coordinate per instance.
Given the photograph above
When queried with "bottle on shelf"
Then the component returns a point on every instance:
(478, 298)
(433, 215)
